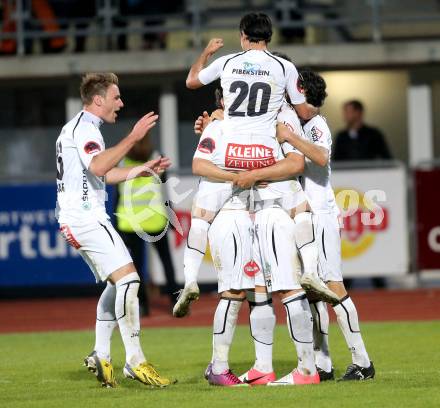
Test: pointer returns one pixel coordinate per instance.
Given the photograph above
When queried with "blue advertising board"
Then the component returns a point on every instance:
(32, 251)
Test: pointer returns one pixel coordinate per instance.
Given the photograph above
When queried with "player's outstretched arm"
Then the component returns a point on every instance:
(155, 166)
(193, 81)
(205, 168)
(285, 169)
(103, 162)
(317, 154)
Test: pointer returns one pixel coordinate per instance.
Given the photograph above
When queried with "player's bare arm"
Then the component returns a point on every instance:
(103, 162)
(306, 111)
(120, 174)
(192, 81)
(317, 154)
(285, 169)
(205, 168)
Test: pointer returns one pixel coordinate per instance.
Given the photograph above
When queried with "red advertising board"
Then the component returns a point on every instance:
(427, 186)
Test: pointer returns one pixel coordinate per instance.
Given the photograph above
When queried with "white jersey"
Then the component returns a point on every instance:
(253, 152)
(80, 194)
(316, 179)
(254, 83)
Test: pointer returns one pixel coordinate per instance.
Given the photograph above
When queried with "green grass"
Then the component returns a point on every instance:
(44, 370)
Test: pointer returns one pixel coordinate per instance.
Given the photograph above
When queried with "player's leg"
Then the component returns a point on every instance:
(346, 313)
(114, 263)
(225, 322)
(361, 368)
(92, 244)
(275, 235)
(207, 202)
(262, 322)
(320, 340)
(230, 242)
(307, 245)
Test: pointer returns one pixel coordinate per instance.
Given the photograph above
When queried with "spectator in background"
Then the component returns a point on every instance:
(145, 194)
(359, 141)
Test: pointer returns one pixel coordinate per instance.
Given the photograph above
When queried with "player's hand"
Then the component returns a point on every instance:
(201, 123)
(245, 179)
(218, 114)
(143, 125)
(283, 132)
(158, 166)
(213, 46)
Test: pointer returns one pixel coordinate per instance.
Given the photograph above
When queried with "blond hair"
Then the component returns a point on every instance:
(96, 83)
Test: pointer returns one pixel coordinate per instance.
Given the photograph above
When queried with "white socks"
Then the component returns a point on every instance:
(300, 325)
(195, 249)
(225, 321)
(127, 313)
(105, 321)
(349, 324)
(262, 324)
(320, 335)
(306, 243)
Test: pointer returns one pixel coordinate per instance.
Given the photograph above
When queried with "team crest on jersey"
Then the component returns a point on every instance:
(206, 145)
(316, 134)
(254, 156)
(92, 147)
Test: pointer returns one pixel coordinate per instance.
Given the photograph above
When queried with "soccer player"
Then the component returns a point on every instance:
(254, 82)
(83, 168)
(316, 183)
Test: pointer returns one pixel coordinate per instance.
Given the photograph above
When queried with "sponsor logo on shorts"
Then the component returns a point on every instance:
(92, 147)
(207, 145)
(255, 156)
(68, 236)
(362, 218)
(251, 268)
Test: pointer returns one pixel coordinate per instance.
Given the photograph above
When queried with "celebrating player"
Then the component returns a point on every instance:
(253, 82)
(316, 183)
(84, 166)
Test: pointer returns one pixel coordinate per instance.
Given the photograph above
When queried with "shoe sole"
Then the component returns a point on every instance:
(128, 373)
(94, 366)
(325, 294)
(182, 309)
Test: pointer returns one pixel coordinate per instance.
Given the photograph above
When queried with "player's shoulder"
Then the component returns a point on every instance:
(213, 129)
(317, 129)
(227, 58)
(320, 121)
(287, 113)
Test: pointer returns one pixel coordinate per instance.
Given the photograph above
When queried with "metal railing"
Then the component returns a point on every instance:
(20, 25)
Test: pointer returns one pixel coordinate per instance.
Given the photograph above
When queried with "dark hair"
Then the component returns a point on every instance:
(257, 27)
(282, 55)
(218, 97)
(96, 84)
(355, 104)
(314, 87)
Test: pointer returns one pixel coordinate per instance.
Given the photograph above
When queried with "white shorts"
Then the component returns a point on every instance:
(213, 196)
(275, 251)
(285, 194)
(327, 233)
(230, 241)
(99, 245)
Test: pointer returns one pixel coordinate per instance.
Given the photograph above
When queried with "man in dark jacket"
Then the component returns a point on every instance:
(359, 141)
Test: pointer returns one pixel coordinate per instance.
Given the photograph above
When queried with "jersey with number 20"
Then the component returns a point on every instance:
(254, 83)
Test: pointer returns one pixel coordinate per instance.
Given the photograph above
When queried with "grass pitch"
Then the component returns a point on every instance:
(44, 370)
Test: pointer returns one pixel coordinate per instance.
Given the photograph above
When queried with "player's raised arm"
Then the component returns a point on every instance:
(193, 81)
(103, 162)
